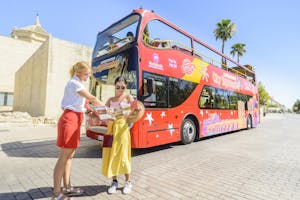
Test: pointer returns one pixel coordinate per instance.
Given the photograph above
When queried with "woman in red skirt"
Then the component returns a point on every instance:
(68, 137)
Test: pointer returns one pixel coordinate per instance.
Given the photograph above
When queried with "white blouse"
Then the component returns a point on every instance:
(71, 99)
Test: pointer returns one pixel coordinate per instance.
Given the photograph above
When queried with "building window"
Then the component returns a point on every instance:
(6, 99)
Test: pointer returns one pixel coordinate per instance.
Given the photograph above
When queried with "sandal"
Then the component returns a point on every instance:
(72, 191)
(61, 197)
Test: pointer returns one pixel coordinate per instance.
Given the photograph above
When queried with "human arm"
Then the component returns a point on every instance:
(132, 101)
(137, 111)
(88, 107)
(107, 103)
(91, 98)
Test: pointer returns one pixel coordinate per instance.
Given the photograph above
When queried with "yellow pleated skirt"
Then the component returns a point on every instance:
(117, 159)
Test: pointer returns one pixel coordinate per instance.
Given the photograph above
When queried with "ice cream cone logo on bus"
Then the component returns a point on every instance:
(193, 71)
(187, 67)
(189, 70)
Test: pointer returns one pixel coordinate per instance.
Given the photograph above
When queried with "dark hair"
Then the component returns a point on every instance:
(120, 79)
(129, 34)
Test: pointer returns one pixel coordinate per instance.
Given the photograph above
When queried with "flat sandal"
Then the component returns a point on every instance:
(72, 191)
(61, 196)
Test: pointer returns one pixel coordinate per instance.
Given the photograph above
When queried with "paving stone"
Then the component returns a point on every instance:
(259, 164)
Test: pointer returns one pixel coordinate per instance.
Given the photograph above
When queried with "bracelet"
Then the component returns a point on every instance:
(88, 111)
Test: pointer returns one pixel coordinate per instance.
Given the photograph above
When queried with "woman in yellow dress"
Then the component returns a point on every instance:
(117, 158)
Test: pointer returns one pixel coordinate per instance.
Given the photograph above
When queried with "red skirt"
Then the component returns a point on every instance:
(68, 134)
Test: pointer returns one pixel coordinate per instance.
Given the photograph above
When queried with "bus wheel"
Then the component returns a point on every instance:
(188, 131)
(249, 122)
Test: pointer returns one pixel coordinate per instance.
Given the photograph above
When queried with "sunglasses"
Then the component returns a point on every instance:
(120, 87)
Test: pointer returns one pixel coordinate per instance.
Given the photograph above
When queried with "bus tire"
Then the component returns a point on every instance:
(188, 131)
(249, 122)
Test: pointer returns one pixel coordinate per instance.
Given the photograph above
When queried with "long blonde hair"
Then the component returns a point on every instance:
(79, 67)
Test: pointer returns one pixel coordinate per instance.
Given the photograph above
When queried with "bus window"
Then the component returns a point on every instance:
(205, 100)
(149, 90)
(221, 99)
(154, 92)
(217, 98)
(159, 35)
(244, 98)
(117, 36)
(233, 99)
(212, 96)
(179, 91)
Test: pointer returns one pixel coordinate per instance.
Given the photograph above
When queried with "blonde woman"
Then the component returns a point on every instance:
(68, 137)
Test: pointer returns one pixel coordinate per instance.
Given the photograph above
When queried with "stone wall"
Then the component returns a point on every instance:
(62, 56)
(41, 80)
(30, 83)
(13, 54)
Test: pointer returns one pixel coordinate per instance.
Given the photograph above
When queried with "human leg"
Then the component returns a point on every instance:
(67, 172)
(59, 169)
(68, 189)
(128, 185)
(127, 177)
(114, 185)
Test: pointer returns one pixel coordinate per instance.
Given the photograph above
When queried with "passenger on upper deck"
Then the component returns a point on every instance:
(165, 44)
(130, 36)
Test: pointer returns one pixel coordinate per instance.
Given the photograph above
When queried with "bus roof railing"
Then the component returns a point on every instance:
(172, 44)
(143, 12)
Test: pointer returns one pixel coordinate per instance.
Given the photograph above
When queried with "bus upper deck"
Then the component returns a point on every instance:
(157, 33)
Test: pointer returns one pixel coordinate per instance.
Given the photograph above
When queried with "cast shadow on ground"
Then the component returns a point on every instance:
(47, 192)
(137, 152)
(47, 149)
(88, 148)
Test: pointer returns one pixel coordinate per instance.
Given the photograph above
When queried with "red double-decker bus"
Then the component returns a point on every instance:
(187, 92)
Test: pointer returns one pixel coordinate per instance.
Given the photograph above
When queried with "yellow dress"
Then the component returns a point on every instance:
(117, 159)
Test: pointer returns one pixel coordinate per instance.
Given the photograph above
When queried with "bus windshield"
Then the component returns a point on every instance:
(116, 36)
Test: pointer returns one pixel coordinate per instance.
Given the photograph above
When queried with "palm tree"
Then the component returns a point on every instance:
(238, 49)
(224, 31)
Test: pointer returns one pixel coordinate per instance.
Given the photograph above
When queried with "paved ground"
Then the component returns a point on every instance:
(262, 163)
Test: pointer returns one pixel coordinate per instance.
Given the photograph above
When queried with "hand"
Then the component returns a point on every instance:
(98, 103)
(134, 105)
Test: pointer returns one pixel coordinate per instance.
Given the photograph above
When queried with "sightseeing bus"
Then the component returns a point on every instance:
(189, 89)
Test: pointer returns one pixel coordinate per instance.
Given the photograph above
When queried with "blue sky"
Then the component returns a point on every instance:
(270, 29)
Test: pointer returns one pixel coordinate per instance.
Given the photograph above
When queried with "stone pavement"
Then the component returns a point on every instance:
(258, 164)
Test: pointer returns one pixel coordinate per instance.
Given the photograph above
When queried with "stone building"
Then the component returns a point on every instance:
(14, 52)
(35, 68)
(275, 106)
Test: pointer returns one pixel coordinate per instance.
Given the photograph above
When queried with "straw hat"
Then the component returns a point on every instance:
(136, 115)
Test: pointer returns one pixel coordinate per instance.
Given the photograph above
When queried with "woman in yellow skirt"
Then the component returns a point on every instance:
(116, 157)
